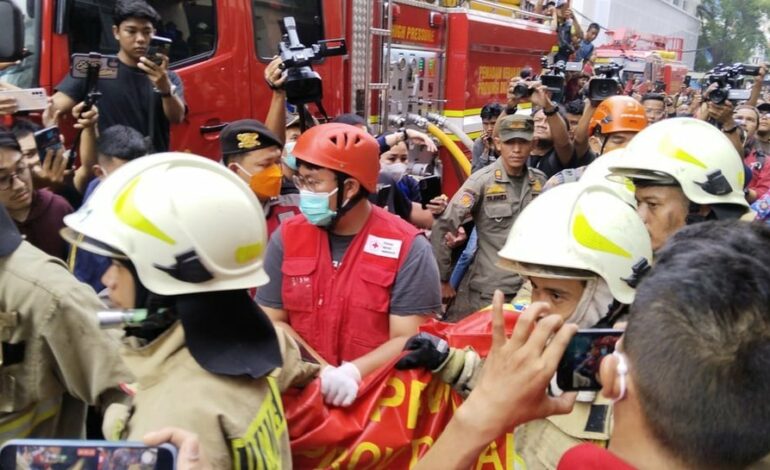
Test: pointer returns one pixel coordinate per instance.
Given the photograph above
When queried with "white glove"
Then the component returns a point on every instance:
(339, 385)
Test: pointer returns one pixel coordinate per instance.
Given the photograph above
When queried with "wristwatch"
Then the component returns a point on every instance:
(404, 134)
(551, 112)
(172, 91)
(730, 130)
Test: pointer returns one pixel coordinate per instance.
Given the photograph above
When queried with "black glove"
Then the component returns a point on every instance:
(427, 352)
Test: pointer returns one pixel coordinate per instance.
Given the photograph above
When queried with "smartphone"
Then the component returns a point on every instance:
(383, 195)
(430, 187)
(28, 99)
(86, 455)
(108, 65)
(687, 80)
(579, 366)
(47, 139)
(158, 45)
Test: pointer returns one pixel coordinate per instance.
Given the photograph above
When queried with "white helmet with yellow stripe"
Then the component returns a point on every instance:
(692, 154)
(599, 170)
(187, 224)
(579, 231)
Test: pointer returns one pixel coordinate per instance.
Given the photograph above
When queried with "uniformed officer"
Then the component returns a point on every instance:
(253, 152)
(187, 239)
(494, 196)
(54, 359)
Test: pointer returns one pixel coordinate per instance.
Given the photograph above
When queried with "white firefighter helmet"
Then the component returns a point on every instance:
(691, 153)
(579, 231)
(598, 171)
(187, 224)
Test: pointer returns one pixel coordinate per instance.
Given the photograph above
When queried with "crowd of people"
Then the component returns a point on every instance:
(297, 255)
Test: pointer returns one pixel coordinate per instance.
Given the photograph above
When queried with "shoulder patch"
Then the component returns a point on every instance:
(467, 199)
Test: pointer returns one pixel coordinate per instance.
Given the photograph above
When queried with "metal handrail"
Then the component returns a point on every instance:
(512, 10)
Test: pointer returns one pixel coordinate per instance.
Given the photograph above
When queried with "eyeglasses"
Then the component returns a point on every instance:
(6, 181)
(307, 184)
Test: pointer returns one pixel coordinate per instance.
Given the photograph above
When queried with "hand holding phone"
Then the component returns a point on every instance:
(430, 188)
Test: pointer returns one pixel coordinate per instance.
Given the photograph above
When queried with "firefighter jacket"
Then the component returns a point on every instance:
(494, 201)
(343, 313)
(541, 443)
(239, 420)
(55, 359)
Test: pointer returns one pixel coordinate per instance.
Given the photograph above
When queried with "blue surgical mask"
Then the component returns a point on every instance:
(315, 207)
(289, 159)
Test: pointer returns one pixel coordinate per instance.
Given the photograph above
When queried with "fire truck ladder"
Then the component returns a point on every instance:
(371, 19)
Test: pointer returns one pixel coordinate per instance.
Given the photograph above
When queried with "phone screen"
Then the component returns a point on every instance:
(47, 139)
(579, 366)
(86, 455)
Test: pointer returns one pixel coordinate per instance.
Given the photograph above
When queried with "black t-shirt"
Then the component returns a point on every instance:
(550, 163)
(126, 100)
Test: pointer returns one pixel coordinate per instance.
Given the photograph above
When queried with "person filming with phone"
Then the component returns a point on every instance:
(146, 95)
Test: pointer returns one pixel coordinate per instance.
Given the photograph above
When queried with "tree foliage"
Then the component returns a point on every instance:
(730, 31)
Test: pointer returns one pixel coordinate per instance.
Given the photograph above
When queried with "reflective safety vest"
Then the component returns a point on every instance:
(343, 313)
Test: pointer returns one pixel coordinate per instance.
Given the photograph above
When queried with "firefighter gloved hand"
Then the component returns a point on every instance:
(427, 351)
(339, 385)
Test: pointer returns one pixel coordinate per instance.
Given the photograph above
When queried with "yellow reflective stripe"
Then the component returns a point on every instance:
(590, 238)
(670, 149)
(129, 214)
(261, 446)
(246, 253)
(27, 421)
(462, 112)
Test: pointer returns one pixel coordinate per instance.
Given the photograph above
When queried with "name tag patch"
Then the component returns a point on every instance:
(385, 247)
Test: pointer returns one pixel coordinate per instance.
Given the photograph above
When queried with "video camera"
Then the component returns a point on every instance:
(606, 84)
(303, 85)
(552, 78)
(730, 80)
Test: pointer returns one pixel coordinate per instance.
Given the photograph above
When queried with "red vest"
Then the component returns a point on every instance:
(343, 313)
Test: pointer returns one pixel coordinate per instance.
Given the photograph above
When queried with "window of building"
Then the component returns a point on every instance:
(268, 20)
(191, 26)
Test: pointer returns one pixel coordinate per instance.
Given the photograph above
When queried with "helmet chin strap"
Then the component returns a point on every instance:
(694, 216)
(343, 205)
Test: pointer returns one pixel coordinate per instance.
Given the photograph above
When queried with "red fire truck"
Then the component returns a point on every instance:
(404, 56)
(649, 57)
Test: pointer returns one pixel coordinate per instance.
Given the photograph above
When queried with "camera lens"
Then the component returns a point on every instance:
(521, 90)
(718, 96)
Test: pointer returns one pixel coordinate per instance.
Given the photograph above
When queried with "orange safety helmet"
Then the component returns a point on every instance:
(344, 148)
(618, 113)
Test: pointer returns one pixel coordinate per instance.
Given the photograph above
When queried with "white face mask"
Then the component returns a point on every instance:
(396, 170)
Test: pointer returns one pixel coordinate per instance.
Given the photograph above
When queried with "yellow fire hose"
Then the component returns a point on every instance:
(460, 159)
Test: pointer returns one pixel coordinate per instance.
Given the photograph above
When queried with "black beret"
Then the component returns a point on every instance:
(246, 135)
